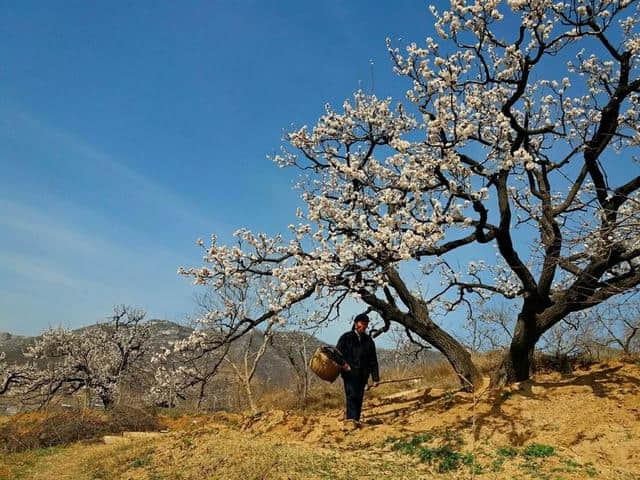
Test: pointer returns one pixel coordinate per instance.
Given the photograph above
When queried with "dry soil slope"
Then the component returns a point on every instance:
(583, 425)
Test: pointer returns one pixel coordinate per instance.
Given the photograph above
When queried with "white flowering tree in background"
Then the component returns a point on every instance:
(520, 131)
(13, 378)
(296, 346)
(95, 358)
(189, 369)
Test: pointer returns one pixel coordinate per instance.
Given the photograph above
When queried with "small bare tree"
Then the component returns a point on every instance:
(245, 365)
(406, 352)
(489, 327)
(296, 348)
(620, 324)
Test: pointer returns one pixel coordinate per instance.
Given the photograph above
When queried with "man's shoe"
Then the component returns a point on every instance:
(350, 425)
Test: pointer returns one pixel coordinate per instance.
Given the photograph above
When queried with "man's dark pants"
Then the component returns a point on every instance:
(354, 383)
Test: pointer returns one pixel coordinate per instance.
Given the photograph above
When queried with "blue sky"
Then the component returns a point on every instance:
(130, 129)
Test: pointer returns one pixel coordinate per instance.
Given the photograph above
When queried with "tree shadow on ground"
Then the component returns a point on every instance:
(606, 383)
(603, 383)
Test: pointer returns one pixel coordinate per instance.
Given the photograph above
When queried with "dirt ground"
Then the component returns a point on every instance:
(591, 418)
(556, 427)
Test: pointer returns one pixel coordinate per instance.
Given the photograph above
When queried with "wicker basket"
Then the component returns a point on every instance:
(324, 365)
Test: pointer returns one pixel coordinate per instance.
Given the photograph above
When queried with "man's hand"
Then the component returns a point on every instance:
(346, 367)
(374, 384)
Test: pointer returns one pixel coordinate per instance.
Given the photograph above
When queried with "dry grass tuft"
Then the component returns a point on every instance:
(322, 397)
(46, 429)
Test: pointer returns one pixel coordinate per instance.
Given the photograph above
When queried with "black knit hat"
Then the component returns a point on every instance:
(362, 317)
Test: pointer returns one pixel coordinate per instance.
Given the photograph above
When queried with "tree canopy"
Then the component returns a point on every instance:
(519, 129)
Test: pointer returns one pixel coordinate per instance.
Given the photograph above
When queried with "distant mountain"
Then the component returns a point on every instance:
(166, 332)
(13, 346)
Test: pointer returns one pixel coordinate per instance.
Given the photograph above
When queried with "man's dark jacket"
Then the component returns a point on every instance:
(359, 352)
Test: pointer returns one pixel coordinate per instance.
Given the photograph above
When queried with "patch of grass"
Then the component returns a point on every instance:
(405, 447)
(496, 465)
(426, 454)
(570, 462)
(140, 462)
(538, 450)
(411, 446)
(447, 456)
(507, 452)
(449, 459)
(534, 454)
(570, 466)
(422, 438)
(470, 460)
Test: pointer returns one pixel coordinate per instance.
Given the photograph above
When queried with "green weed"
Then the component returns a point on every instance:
(140, 462)
(447, 400)
(507, 452)
(496, 465)
(411, 446)
(426, 454)
(422, 438)
(450, 460)
(538, 450)
(570, 462)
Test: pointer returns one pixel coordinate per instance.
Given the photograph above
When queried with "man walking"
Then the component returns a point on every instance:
(361, 361)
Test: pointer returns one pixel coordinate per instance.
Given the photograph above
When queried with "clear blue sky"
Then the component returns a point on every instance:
(130, 129)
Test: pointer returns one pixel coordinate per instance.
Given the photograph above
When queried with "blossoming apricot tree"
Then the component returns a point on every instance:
(519, 130)
(95, 358)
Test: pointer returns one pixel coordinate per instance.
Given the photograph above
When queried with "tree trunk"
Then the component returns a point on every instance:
(106, 400)
(517, 361)
(251, 400)
(419, 322)
(454, 351)
(201, 395)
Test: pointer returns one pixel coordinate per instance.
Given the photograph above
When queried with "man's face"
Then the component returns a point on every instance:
(361, 326)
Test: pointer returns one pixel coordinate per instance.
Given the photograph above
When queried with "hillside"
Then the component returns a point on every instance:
(13, 346)
(583, 425)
